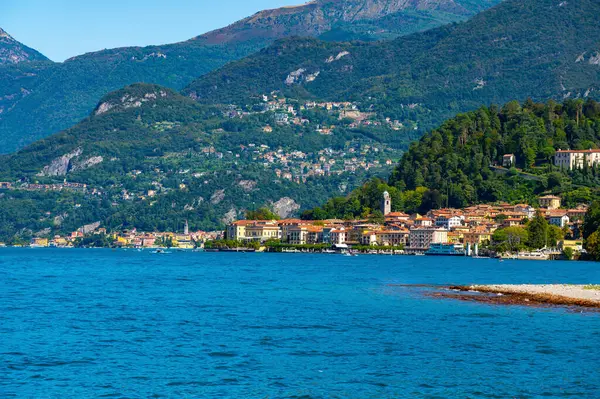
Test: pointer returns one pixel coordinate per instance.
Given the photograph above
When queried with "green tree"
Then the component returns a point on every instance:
(591, 223)
(555, 234)
(511, 238)
(568, 253)
(538, 232)
(261, 214)
(592, 245)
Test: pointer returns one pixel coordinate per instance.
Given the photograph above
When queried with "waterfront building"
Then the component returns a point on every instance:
(296, 235)
(338, 236)
(386, 238)
(39, 243)
(576, 159)
(576, 246)
(304, 234)
(288, 225)
(148, 241)
(314, 235)
(262, 231)
(237, 230)
(422, 238)
(477, 236)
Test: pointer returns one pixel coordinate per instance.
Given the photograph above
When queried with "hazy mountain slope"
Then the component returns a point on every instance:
(62, 94)
(59, 95)
(538, 48)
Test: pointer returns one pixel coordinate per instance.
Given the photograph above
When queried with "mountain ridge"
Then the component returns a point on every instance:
(56, 96)
(316, 17)
(14, 52)
(542, 49)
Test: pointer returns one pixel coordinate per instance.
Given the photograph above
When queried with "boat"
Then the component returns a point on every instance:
(446, 250)
(160, 252)
(536, 255)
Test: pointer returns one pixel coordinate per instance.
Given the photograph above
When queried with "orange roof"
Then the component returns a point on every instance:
(242, 222)
(396, 214)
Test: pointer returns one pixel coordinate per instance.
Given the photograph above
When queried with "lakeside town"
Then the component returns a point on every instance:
(468, 231)
(450, 232)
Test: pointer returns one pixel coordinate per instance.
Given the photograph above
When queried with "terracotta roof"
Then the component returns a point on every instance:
(242, 222)
(396, 214)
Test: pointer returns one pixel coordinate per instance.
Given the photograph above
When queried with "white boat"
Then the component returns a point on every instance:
(532, 256)
(160, 251)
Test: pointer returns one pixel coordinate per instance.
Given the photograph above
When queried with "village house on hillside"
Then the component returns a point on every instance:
(576, 159)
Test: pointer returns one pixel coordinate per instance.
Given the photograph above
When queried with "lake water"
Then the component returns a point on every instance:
(125, 324)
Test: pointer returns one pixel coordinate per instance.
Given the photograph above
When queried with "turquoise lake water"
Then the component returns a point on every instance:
(125, 324)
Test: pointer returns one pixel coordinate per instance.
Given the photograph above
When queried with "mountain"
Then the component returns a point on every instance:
(57, 95)
(13, 52)
(349, 19)
(152, 158)
(54, 96)
(534, 48)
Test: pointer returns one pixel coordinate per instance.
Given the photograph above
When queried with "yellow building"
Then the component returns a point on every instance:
(576, 246)
(40, 243)
(237, 230)
(263, 231)
(123, 241)
(550, 202)
(60, 242)
(184, 242)
(477, 237)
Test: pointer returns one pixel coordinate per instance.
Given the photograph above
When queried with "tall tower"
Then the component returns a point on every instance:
(186, 228)
(386, 204)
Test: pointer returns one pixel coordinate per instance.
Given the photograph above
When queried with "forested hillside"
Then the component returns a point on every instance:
(460, 163)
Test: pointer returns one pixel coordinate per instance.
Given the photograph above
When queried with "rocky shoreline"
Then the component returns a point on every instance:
(527, 294)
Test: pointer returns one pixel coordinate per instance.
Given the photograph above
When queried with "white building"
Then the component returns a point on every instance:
(338, 236)
(509, 160)
(422, 238)
(560, 221)
(576, 159)
(526, 209)
(449, 222)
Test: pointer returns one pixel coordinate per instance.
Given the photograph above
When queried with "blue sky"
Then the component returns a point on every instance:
(64, 28)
